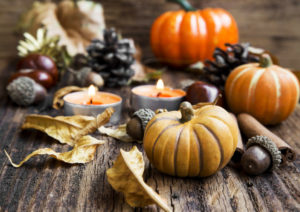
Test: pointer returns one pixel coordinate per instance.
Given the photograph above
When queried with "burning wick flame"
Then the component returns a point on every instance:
(91, 93)
(160, 85)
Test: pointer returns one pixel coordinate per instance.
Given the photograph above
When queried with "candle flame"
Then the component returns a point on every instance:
(92, 92)
(160, 84)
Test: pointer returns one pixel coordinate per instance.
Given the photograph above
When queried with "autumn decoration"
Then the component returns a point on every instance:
(186, 36)
(75, 22)
(72, 130)
(126, 176)
(191, 142)
(268, 92)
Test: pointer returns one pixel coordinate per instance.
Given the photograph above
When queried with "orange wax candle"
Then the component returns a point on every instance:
(155, 97)
(152, 91)
(100, 98)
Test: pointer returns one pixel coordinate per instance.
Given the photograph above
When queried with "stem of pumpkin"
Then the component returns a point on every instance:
(187, 112)
(265, 61)
(184, 4)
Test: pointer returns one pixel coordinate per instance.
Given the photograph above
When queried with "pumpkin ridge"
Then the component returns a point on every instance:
(253, 86)
(234, 80)
(160, 134)
(178, 136)
(159, 119)
(218, 142)
(278, 91)
(199, 150)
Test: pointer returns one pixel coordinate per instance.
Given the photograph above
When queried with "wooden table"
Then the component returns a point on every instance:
(49, 185)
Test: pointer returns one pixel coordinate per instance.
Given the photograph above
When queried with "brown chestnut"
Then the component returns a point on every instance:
(38, 76)
(201, 91)
(39, 62)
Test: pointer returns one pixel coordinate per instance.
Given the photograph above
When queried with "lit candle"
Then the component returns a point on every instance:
(92, 102)
(155, 97)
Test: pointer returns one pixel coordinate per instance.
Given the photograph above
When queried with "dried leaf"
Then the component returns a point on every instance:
(83, 152)
(71, 130)
(126, 176)
(58, 101)
(76, 23)
(118, 133)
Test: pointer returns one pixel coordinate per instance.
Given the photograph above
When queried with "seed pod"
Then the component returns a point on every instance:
(25, 91)
(39, 76)
(137, 124)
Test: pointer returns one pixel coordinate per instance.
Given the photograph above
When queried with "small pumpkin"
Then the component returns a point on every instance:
(268, 92)
(191, 142)
(188, 36)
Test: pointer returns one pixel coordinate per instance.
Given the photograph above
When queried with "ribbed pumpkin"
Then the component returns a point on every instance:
(191, 142)
(185, 37)
(268, 92)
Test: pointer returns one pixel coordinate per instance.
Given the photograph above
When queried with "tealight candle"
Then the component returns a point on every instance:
(92, 103)
(155, 97)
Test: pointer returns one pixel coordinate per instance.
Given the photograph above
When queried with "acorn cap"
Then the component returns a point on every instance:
(269, 145)
(21, 91)
(145, 115)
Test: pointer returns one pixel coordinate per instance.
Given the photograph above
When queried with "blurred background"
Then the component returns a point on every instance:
(270, 24)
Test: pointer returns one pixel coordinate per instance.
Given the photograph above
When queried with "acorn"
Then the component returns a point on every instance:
(85, 77)
(25, 91)
(138, 122)
(39, 76)
(260, 156)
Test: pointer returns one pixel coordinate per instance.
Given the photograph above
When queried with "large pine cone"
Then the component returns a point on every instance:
(112, 58)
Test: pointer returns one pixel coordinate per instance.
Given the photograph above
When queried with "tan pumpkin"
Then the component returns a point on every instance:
(191, 142)
(268, 92)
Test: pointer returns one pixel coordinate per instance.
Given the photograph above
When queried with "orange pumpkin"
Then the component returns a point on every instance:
(185, 37)
(191, 142)
(268, 92)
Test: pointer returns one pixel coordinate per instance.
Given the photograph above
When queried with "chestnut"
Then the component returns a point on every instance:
(201, 91)
(38, 76)
(40, 62)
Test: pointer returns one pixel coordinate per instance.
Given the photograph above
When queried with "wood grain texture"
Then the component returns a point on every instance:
(44, 184)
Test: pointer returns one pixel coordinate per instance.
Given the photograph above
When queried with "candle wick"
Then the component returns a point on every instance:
(158, 94)
(91, 101)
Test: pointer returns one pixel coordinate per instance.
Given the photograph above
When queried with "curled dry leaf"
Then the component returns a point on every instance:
(83, 152)
(126, 176)
(118, 133)
(58, 101)
(70, 130)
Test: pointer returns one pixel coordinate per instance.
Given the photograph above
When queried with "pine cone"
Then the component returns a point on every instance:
(112, 58)
(225, 61)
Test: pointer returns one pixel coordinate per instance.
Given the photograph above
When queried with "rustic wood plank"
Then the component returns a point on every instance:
(46, 184)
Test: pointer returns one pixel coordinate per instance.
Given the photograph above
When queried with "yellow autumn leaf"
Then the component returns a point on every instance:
(58, 101)
(72, 130)
(119, 133)
(83, 152)
(126, 176)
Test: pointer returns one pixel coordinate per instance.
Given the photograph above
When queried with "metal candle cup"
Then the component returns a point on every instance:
(75, 104)
(140, 99)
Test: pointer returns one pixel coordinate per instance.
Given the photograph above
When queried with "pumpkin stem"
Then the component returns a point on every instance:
(184, 4)
(187, 112)
(265, 61)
